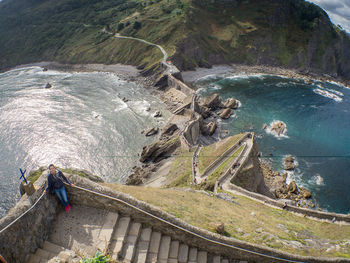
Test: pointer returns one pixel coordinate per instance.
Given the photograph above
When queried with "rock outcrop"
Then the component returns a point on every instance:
(225, 113)
(212, 102)
(48, 86)
(160, 149)
(288, 163)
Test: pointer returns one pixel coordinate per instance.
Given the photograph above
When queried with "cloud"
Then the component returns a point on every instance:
(338, 11)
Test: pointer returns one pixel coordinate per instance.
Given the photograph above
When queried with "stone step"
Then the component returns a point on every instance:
(34, 259)
(106, 232)
(53, 248)
(224, 261)
(202, 257)
(143, 245)
(118, 236)
(173, 251)
(43, 254)
(164, 248)
(192, 255)
(153, 247)
(217, 259)
(183, 253)
(129, 248)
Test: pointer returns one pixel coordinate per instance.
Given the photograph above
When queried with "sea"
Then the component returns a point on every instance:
(317, 116)
(86, 120)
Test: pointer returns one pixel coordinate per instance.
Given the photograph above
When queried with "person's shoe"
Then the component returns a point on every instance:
(68, 207)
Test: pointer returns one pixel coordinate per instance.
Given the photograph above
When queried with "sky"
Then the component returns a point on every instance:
(338, 11)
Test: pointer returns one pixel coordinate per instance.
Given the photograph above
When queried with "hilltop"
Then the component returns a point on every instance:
(291, 34)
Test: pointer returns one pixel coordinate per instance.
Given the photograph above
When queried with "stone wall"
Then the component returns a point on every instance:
(30, 231)
(179, 85)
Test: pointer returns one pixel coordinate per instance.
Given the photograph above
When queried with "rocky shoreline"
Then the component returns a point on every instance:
(238, 69)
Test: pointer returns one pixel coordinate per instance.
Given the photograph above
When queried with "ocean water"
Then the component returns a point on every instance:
(81, 122)
(317, 116)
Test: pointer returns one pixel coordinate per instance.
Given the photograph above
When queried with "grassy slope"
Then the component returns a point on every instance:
(70, 31)
(245, 219)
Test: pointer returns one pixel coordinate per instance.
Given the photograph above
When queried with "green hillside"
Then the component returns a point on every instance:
(288, 33)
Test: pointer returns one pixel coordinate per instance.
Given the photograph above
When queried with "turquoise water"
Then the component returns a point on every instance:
(317, 116)
(81, 122)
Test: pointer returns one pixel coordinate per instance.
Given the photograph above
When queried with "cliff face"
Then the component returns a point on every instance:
(287, 33)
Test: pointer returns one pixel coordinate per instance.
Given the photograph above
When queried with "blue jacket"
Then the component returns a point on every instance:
(56, 181)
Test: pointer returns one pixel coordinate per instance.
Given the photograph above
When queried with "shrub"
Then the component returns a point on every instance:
(137, 25)
(120, 26)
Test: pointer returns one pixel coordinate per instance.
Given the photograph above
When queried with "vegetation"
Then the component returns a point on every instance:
(244, 219)
(99, 258)
(180, 174)
(71, 31)
(210, 153)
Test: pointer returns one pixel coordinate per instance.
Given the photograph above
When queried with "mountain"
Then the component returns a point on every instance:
(287, 33)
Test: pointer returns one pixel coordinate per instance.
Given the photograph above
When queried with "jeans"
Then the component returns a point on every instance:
(62, 195)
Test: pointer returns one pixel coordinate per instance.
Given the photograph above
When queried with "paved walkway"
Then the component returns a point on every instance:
(238, 160)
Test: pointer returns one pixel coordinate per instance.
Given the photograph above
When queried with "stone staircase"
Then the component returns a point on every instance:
(127, 241)
(54, 253)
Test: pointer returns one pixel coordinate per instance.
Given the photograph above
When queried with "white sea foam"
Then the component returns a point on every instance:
(208, 77)
(316, 179)
(121, 107)
(328, 94)
(140, 107)
(247, 76)
(278, 136)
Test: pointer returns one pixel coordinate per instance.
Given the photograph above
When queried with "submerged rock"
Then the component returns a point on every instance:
(48, 86)
(151, 131)
(157, 114)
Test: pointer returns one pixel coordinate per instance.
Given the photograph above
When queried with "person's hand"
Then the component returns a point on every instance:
(44, 191)
(73, 185)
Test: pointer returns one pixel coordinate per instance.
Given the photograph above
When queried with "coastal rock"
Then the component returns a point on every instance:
(169, 129)
(208, 128)
(212, 102)
(264, 126)
(48, 86)
(225, 114)
(125, 99)
(160, 149)
(157, 114)
(288, 163)
(292, 187)
(305, 193)
(151, 131)
(231, 103)
(205, 112)
(278, 128)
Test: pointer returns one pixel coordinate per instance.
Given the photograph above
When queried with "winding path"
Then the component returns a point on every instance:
(245, 140)
(171, 68)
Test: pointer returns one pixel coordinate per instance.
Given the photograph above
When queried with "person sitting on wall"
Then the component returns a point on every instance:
(55, 183)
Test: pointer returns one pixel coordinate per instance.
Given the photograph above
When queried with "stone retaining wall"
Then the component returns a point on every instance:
(303, 211)
(28, 233)
(175, 83)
